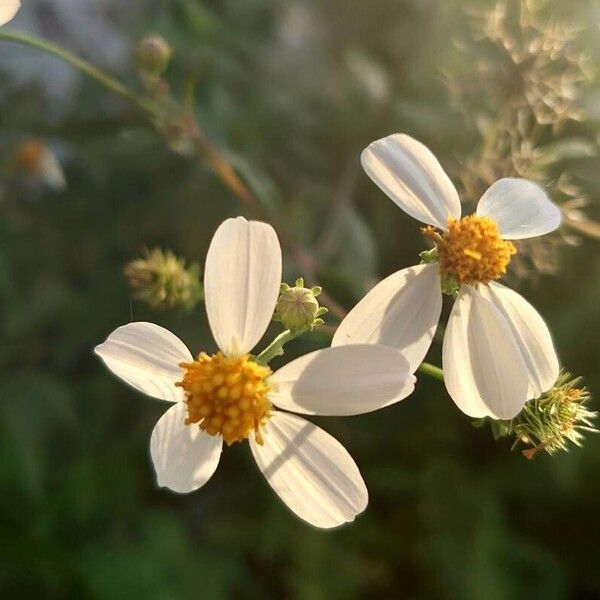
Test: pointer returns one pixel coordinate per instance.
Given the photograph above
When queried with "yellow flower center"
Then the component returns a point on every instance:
(472, 250)
(226, 396)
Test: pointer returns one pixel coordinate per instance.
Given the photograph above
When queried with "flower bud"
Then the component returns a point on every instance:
(298, 308)
(163, 281)
(153, 54)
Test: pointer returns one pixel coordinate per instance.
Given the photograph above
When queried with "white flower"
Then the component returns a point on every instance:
(497, 350)
(230, 397)
(36, 159)
(8, 9)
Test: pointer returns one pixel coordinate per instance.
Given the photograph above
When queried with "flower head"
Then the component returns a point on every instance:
(497, 350)
(230, 397)
(555, 419)
(227, 396)
(162, 280)
(34, 158)
(8, 9)
(471, 250)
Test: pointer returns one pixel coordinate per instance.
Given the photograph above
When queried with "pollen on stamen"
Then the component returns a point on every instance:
(472, 250)
(226, 396)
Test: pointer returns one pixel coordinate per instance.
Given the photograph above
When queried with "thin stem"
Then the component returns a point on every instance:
(85, 67)
(431, 371)
(275, 348)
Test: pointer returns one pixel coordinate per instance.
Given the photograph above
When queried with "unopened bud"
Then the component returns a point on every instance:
(163, 281)
(298, 308)
(153, 54)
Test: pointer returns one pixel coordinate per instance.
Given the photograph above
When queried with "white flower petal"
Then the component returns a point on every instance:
(241, 283)
(532, 335)
(146, 357)
(412, 177)
(52, 172)
(310, 471)
(520, 208)
(347, 380)
(401, 311)
(184, 456)
(484, 371)
(8, 9)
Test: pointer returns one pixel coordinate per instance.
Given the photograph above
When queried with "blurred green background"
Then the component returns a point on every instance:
(291, 91)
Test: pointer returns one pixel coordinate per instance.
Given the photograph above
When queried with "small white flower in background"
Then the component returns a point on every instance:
(8, 9)
(229, 397)
(37, 161)
(497, 350)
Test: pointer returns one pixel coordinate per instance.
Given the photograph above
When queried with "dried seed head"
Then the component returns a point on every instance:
(163, 281)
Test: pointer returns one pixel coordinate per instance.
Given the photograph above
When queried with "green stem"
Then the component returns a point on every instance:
(85, 67)
(275, 348)
(431, 371)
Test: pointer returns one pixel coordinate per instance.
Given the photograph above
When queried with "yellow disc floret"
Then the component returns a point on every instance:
(226, 396)
(472, 250)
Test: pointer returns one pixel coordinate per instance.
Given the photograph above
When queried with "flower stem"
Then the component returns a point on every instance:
(275, 348)
(431, 371)
(85, 67)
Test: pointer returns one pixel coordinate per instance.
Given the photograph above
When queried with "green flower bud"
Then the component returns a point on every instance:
(153, 54)
(163, 281)
(298, 308)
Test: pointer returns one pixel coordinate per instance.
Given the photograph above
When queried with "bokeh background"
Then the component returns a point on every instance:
(291, 91)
